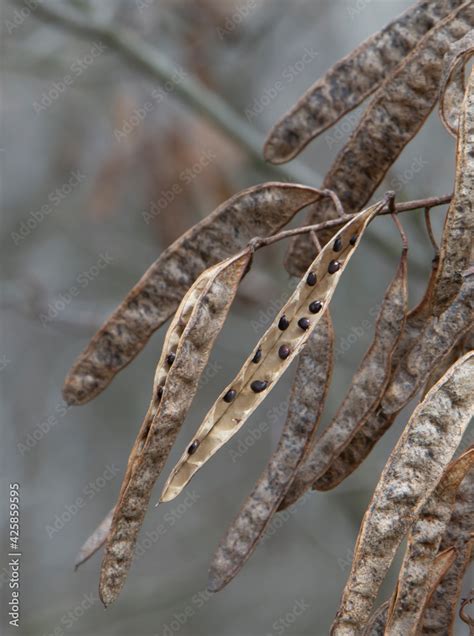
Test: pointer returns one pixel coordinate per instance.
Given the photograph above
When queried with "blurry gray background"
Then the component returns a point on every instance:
(104, 185)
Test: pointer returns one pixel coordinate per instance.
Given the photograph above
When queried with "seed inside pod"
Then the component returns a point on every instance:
(258, 386)
(258, 356)
(337, 247)
(303, 323)
(230, 395)
(170, 358)
(353, 239)
(283, 323)
(316, 306)
(311, 279)
(193, 447)
(334, 266)
(284, 351)
(159, 392)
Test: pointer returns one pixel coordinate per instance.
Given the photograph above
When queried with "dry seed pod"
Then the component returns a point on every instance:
(306, 404)
(258, 211)
(254, 381)
(455, 250)
(435, 343)
(397, 111)
(461, 347)
(95, 541)
(438, 338)
(415, 581)
(190, 337)
(367, 388)
(410, 475)
(439, 616)
(351, 80)
(452, 88)
(440, 613)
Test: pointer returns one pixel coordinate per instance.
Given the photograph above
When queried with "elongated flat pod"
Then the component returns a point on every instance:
(397, 111)
(378, 423)
(411, 474)
(351, 80)
(440, 614)
(415, 581)
(258, 211)
(437, 339)
(366, 390)
(453, 88)
(95, 541)
(456, 244)
(306, 404)
(460, 348)
(186, 351)
(291, 330)
(436, 342)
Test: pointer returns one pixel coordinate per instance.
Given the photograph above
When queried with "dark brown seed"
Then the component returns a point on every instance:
(230, 395)
(258, 356)
(311, 279)
(170, 358)
(283, 323)
(334, 266)
(258, 386)
(303, 323)
(193, 447)
(284, 351)
(159, 393)
(316, 306)
(353, 239)
(337, 247)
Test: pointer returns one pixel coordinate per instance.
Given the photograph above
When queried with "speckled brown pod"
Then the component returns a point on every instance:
(464, 344)
(456, 244)
(366, 390)
(352, 79)
(224, 420)
(258, 211)
(191, 335)
(422, 350)
(411, 473)
(440, 614)
(95, 541)
(397, 111)
(307, 398)
(415, 581)
(452, 86)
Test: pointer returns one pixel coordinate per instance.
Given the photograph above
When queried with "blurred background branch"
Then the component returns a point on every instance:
(188, 89)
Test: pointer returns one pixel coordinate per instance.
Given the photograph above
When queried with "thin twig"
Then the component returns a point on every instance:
(430, 232)
(316, 241)
(396, 220)
(431, 202)
(187, 88)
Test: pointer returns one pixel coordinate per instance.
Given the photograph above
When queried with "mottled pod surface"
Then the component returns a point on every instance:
(306, 404)
(366, 390)
(415, 581)
(394, 116)
(224, 420)
(258, 211)
(352, 79)
(411, 474)
(190, 338)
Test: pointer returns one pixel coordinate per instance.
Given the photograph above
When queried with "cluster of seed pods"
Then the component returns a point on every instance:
(186, 350)
(271, 357)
